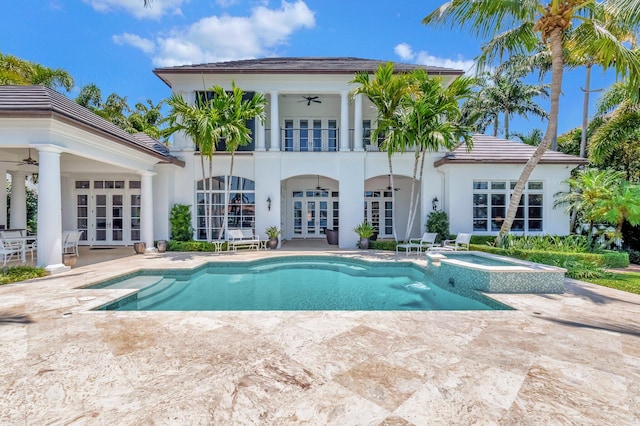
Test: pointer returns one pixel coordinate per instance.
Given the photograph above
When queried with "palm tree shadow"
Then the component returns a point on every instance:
(583, 291)
(598, 325)
(8, 318)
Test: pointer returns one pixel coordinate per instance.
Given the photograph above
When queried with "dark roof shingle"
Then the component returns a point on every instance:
(297, 65)
(40, 101)
(492, 150)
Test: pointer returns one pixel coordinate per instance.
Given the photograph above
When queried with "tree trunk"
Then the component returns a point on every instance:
(227, 191)
(585, 113)
(557, 65)
(205, 187)
(506, 125)
(393, 200)
(412, 205)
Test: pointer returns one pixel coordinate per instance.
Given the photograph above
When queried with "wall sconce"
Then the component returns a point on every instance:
(269, 203)
(434, 203)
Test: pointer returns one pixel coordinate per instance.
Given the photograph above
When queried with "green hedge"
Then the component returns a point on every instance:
(192, 246)
(608, 259)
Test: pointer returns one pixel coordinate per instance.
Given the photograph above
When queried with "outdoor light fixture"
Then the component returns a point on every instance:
(434, 203)
(269, 203)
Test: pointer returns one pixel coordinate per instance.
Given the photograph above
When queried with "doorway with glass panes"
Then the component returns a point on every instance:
(378, 211)
(108, 211)
(313, 212)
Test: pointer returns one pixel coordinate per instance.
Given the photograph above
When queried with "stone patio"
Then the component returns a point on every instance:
(557, 359)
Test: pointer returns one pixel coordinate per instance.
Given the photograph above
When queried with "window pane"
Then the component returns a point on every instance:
(480, 199)
(480, 185)
(535, 225)
(82, 184)
(479, 212)
(535, 199)
(535, 185)
(535, 212)
(134, 184)
(518, 225)
(498, 212)
(479, 225)
(498, 199)
(498, 185)
(98, 184)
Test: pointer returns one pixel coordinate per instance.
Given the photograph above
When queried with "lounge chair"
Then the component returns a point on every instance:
(70, 242)
(8, 249)
(418, 244)
(461, 242)
(242, 238)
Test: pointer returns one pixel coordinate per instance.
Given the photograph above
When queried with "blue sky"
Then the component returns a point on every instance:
(117, 43)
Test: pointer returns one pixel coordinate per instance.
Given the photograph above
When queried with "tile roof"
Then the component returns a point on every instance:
(297, 65)
(492, 150)
(42, 102)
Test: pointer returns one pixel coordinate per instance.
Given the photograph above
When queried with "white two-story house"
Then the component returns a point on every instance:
(311, 165)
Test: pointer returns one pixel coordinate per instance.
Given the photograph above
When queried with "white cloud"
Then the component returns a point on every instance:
(155, 10)
(221, 38)
(146, 45)
(406, 53)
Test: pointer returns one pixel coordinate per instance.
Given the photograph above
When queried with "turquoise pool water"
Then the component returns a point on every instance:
(294, 283)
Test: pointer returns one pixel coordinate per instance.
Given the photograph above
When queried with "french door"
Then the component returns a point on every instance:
(313, 211)
(378, 211)
(109, 215)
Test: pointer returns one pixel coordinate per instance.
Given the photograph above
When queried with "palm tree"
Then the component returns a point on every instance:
(386, 91)
(623, 205)
(586, 189)
(549, 23)
(233, 112)
(616, 142)
(428, 120)
(16, 71)
(197, 121)
(503, 91)
(533, 138)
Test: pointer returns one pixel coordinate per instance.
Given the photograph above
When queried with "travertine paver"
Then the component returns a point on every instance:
(557, 359)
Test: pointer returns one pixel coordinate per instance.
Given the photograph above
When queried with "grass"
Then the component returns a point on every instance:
(629, 281)
(20, 273)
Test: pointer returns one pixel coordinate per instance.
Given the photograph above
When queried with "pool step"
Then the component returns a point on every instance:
(163, 290)
(140, 282)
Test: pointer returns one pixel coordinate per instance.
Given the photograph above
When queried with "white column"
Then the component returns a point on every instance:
(3, 196)
(344, 120)
(275, 122)
(49, 210)
(18, 201)
(146, 209)
(357, 125)
(259, 136)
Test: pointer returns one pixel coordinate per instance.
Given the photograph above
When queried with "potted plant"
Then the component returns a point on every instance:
(273, 232)
(364, 231)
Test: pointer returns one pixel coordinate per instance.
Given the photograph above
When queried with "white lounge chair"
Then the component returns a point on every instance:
(70, 242)
(242, 238)
(418, 244)
(461, 242)
(8, 249)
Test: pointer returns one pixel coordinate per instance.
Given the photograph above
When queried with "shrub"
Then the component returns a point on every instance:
(180, 220)
(438, 222)
(14, 274)
(173, 245)
(383, 245)
(634, 256)
(576, 263)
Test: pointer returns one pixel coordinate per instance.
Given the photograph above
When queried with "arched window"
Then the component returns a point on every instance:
(240, 205)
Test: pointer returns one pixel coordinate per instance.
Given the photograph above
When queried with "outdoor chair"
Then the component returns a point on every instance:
(242, 238)
(461, 242)
(70, 242)
(428, 240)
(8, 249)
(418, 244)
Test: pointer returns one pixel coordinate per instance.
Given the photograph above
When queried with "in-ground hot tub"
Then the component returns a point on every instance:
(492, 273)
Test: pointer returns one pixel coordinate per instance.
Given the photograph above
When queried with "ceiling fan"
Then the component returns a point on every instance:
(29, 161)
(310, 99)
(318, 187)
(388, 188)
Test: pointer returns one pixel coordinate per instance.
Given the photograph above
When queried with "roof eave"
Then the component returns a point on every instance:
(443, 161)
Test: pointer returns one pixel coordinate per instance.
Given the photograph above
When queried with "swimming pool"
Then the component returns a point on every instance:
(293, 283)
